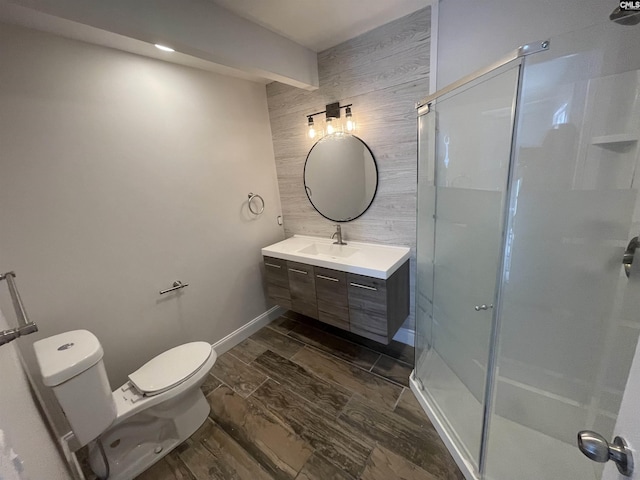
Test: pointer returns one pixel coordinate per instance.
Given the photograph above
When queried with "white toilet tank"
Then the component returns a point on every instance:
(71, 363)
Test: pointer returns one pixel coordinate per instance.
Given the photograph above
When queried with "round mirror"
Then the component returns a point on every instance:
(340, 177)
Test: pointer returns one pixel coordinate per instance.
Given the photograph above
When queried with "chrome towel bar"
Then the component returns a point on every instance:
(25, 327)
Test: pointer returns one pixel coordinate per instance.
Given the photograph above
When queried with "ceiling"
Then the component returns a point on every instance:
(258, 40)
(321, 24)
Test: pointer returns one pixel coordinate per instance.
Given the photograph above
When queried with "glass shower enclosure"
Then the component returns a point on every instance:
(526, 316)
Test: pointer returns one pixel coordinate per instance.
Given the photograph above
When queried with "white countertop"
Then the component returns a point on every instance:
(379, 261)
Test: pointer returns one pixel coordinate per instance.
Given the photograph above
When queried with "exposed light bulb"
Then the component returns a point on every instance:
(163, 48)
(312, 132)
(350, 123)
(330, 128)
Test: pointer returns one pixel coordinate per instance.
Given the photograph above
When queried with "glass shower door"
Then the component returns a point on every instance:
(569, 319)
(465, 149)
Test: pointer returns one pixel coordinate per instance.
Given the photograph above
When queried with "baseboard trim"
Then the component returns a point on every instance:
(244, 332)
(458, 456)
(406, 336)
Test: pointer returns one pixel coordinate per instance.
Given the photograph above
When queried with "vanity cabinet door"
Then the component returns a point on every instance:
(302, 285)
(377, 308)
(368, 307)
(333, 303)
(277, 281)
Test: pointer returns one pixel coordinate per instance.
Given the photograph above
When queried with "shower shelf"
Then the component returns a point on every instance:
(615, 138)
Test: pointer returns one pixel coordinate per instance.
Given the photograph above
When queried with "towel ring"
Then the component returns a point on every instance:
(251, 197)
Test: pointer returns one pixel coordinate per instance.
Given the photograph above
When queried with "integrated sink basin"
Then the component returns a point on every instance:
(378, 261)
(332, 251)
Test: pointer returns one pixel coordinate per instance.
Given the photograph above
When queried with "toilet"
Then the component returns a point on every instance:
(131, 428)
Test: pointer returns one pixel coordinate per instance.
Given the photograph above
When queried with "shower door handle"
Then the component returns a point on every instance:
(596, 447)
(482, 307)
(629, 253)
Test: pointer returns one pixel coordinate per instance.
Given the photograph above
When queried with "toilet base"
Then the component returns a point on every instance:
(131, 447)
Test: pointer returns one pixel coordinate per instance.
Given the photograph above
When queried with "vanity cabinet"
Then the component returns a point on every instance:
(371, 307)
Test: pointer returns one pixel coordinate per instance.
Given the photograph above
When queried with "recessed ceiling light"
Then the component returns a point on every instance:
(164, 49)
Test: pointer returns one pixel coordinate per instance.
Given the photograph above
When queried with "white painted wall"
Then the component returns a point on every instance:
(23, 432)
(474, 34)
(120, 174)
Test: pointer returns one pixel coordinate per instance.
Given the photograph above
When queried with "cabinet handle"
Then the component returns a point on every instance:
(272, 265)
(328, 278)
(298, 271)
(363, 286)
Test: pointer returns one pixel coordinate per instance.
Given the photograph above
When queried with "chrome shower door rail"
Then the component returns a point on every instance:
(25, 327)
(423, 105)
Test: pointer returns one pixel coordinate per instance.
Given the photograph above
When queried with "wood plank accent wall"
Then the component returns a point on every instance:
(383, 73)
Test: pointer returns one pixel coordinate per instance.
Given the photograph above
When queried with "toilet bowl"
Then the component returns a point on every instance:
(131, 428)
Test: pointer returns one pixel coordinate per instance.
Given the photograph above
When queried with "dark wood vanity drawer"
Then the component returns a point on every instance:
(277, 281)
(302, 285)
(333, 302)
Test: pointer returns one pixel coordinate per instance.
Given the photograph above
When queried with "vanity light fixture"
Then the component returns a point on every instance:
(164, 48)
(332, 125)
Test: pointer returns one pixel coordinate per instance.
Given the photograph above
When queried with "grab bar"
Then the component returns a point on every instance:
(25, 327)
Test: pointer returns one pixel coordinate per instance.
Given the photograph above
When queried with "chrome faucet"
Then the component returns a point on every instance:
(338, 236)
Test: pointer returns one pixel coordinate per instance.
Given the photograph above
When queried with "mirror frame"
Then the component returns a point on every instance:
(375, 191)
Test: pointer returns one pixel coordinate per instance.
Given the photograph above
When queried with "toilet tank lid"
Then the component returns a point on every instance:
(171, 367)
(66, 355)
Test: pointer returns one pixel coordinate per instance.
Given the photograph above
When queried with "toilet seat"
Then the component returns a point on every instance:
(170, 368)
(129, 401)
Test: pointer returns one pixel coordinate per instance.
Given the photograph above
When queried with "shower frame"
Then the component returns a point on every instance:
(515, 59)
(528, 195)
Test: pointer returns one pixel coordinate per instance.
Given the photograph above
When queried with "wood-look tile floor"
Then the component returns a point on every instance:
(302, 400)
